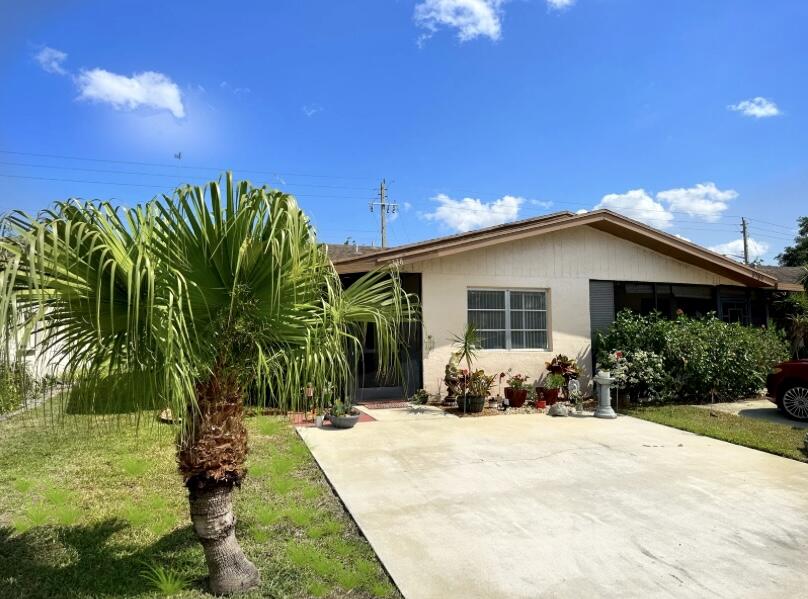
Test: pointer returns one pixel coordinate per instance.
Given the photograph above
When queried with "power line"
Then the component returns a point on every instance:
(166, 175)
(179, 166)
(791, 229)
(63, 180)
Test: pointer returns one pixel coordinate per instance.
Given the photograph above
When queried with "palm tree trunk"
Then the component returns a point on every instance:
(215, 524)
(211, 455)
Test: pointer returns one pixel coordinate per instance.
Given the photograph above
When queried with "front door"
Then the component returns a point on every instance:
(370, 384)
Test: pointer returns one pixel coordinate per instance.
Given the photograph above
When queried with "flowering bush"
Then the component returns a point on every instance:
(689, 359)
(640, 372)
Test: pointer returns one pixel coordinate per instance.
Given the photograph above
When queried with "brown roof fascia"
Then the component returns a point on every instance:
(603, 220)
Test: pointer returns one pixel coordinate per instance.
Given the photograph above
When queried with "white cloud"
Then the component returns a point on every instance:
(683, 238)
(149, 89)
(471, 213)
(311, 109)
(704, 200)
(758, 107)
(471, 18)
(581, 211)
(637, 204)
(236, 91)
(51, 59)
(545, 204)
(560, 4)
(734, 249)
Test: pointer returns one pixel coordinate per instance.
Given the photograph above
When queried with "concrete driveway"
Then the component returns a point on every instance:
(531, 506)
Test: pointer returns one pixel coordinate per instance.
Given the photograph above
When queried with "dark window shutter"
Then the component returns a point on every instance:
(601, 305)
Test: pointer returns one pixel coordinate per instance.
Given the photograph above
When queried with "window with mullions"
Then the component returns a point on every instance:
(509, 319)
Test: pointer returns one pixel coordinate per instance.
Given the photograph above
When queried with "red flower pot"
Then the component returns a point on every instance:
(541, 404)
(518, 397)
(551, 395)
(508, 392)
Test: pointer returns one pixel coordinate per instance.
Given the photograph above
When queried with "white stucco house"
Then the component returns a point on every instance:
(542, 286)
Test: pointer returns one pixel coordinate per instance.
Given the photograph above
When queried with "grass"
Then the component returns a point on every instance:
(779, 439)
(101, 512)
(166, 582)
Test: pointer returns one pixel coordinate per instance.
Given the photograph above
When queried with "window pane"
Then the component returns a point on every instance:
(486, 299)
(534, 320)
(516, 299)
(534, 301)
(487, 319)
(492, 339)
(517, 340)
(517, 320)
(536, 339)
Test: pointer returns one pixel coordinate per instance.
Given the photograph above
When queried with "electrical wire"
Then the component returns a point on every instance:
(180, 166)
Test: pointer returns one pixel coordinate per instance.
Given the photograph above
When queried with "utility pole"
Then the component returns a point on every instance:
(745, 231)
(385, 208)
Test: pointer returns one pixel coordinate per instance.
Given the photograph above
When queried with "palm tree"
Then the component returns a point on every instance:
(194, 302)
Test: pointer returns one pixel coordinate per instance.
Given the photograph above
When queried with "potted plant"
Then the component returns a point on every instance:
(467, 345)
(475, 387)
(563, 365)
(516, 391)
(343, 415)
(552, 384)
(420, 397)
(541, 401)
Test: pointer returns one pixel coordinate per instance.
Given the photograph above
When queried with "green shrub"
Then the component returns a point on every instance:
(16, 383)
(689, 359)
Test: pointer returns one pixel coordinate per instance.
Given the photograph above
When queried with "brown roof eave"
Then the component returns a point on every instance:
(603, 220)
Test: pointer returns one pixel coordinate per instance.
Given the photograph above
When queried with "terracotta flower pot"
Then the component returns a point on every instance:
(518, 398)
(541, 404)
(508, 392)
(551, 395)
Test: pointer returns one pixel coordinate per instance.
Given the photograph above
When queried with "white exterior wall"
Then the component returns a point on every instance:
(562, 263)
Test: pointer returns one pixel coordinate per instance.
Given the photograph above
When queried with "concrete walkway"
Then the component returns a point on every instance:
(761, 409)
(530, 506)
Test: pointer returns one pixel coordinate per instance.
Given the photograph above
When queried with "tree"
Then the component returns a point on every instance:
(797, 254)
(195, 302)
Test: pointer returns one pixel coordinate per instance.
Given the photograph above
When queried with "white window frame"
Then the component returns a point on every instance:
(508, 330)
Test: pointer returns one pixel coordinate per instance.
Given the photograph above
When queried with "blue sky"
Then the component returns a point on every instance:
(684, 114)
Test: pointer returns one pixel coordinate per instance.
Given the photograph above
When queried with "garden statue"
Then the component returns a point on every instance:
(452, 376)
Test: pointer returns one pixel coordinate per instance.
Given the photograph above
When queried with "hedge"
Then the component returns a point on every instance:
(689, 359)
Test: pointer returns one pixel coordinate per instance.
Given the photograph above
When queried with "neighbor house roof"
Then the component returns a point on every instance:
(603, 220)
(789, 278)
(344, 251)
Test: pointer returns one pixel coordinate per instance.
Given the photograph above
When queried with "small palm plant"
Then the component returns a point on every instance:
(194, 302)
(468, 343)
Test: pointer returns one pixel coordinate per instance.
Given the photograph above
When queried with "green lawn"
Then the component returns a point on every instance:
(83, 511)
(779, 439)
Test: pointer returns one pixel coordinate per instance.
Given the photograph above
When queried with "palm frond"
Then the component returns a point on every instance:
(139, 306)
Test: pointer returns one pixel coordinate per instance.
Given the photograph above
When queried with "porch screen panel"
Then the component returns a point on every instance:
(509, 319)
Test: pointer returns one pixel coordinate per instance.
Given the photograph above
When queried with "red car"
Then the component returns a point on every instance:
(787, 386)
